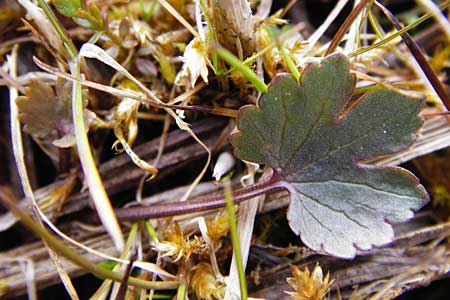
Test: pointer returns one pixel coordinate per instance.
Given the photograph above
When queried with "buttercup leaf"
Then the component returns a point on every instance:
(316, 139)
(46, 114)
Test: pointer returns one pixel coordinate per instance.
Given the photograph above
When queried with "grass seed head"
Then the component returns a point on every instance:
(204, 284)
(309, 286)
(218, 227)
(177, 245)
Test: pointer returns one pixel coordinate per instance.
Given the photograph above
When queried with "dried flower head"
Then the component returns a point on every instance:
(204, 283)
(218, 227)
(177, 245)
(195, 64)
(309, 286)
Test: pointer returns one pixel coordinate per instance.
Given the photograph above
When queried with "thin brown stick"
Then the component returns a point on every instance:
(345, 26)
(124, 283)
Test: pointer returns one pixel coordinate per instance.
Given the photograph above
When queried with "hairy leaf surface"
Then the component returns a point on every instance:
(315, 138)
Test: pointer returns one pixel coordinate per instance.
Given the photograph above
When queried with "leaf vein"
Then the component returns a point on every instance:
(332, 209)
(308, 134)
(342, 147)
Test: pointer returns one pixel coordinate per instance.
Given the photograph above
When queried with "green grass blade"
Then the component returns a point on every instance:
(235, 240)
(233, 61)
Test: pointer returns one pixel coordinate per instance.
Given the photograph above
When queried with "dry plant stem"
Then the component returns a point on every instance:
(395, 281)
(345, 26)
(17, 145)
(354, 32)
(200, 204)
(123, 284)
(6, 200)
(420, 58)
(44, 43)
(444, 24)
(137, 96)
(439, 114)
(177, 16)
(93, 180)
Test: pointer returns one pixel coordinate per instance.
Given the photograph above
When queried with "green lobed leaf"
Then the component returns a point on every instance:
(315, 139)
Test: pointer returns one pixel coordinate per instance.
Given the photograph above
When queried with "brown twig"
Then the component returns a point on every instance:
(124, 283)
(345, 26)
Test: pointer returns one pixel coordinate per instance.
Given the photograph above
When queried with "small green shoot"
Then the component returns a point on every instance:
(68, 8)
(151, 231)
(233, 61)
(181, 292)
(290, 64)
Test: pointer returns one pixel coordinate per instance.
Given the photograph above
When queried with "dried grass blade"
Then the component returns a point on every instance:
(17, 145)
(444, 23)
(92, 51)
(420, 58)
(92, 177)
(6, 200)
(312, 40)
(134, 157)
(177, 16)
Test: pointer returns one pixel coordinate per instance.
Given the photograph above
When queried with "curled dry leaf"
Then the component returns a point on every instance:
(47, 115)
(316, 140)
(126, 129)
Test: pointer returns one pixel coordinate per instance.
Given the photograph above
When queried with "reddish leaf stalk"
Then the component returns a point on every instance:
(437, 114)
(209, 202)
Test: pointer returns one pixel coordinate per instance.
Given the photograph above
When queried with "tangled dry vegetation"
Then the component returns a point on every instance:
(109, 104)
